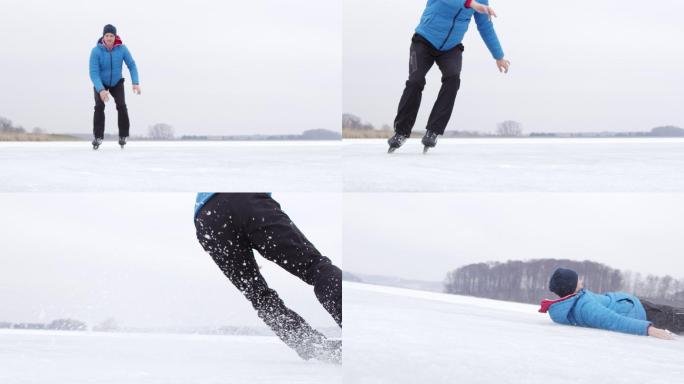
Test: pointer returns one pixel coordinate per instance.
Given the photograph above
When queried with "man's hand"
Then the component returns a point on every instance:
(104, 95)
(503, 65)
(136, 89)
(484, 9)
(660, 333)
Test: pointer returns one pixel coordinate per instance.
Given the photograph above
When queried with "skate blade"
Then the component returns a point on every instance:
(425, 150)
(391, 150)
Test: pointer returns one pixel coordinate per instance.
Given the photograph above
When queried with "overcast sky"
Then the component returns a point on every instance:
(576, 66)
(206, 67)
(135, 257)
(422, 236)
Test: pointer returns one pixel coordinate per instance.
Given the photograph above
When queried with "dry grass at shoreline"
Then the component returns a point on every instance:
(36, 137)
(348, 133)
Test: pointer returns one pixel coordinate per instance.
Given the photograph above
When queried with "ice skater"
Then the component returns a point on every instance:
(438, 39)
(230, 225)
(106, 73)
(615, 311)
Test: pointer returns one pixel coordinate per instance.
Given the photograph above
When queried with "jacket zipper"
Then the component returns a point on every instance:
(453, 23)
(111, 67)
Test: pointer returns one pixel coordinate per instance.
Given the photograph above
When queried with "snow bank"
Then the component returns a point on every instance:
(395, 335)
(103, 358)
(298, 166)
(517, 165)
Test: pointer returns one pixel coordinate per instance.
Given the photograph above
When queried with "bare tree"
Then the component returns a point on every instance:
(351, 121)
(161, 131)
(109, 325)
(6, 126)
(509, 128)
(354, 122)
(67, 325)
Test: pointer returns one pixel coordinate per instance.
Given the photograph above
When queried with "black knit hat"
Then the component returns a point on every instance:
(563, 282)
(109, 29)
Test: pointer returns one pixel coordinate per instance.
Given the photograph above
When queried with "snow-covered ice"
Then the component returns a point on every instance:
(395, 335)
(103, 358)
(298, 166)
(517, 165)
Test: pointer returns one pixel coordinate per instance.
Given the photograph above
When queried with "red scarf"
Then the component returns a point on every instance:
(546, 303)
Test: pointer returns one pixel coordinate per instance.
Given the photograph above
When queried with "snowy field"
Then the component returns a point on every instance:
(103, 358)
(298, 166)
(517, 165)
(394, 335)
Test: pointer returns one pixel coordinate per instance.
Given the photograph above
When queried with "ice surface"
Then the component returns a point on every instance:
(517, 165)
(103, 358)
(298, 166)
(395, 335)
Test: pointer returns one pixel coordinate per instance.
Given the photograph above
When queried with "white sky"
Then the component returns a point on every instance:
(576, 66)
(423, 236)
(135, 257)
(206, 67)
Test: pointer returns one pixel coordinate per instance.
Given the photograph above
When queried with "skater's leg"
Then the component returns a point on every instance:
(230, 250)
(98, 117)
(119, 96)
(421, 60)
(664, 316)
(271, 232)
(449, 64)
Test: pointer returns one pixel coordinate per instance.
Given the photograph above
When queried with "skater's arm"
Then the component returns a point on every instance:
(132, 68)
(487, 32)
(95, 72)
(596, 315)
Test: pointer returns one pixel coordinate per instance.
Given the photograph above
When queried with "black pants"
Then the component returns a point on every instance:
(664, 316)
(423, 56)
(231, 225)
(117, 92)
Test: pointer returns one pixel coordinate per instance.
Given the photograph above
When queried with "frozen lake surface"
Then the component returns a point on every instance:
(104, 358)
(395, 335)
(297, 166)
(517, 165)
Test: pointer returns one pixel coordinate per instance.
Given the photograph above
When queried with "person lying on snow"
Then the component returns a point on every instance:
(230, 225)
(614, 311)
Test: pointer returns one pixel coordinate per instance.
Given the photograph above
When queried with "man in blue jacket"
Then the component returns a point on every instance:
(615, 311)
(231, 225)
(438, 39)
(106, 74)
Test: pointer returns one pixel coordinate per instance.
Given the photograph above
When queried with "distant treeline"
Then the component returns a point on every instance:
(527, 281)
(353, 127)
(664, 131)
(311, 134)
(59, 324)
(159, 131)
(111, 325)
(11, 132)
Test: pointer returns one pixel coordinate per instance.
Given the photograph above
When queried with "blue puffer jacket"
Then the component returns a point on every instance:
(106, 67)
(202, 198)
(615, 311)
(445, 22)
